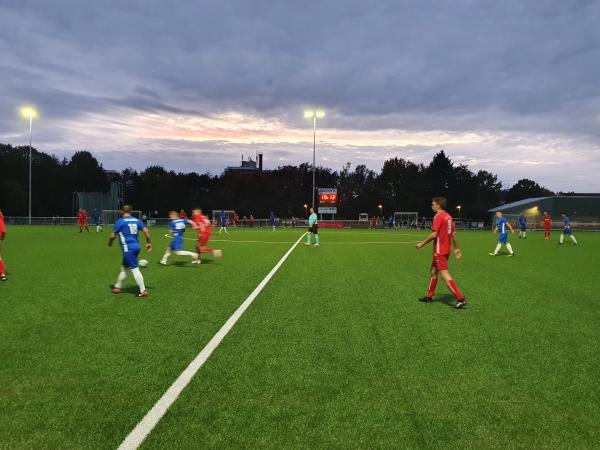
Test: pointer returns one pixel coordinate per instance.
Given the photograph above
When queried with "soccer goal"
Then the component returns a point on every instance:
(406, 220)
(110, 216)
(216, 216)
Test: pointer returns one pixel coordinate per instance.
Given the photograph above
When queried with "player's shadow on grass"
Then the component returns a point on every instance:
(189, 265)
(446, 299)
(130, 289)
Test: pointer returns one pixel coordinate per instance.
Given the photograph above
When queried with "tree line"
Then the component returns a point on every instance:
(401, 185)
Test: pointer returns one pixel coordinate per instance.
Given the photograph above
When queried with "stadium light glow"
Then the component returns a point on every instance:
(29, 113)
(314, 114)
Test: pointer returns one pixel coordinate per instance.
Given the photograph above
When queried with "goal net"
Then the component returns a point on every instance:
(216, 216)
(110, 216)
(406, 220)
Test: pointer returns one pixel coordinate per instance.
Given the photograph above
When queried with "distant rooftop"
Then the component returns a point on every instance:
(538, 199)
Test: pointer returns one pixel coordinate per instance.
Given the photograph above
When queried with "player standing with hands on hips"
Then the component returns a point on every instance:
(127, 228)
(313, 228)
(444, 237)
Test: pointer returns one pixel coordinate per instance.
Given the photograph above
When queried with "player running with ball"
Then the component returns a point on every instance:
(176, 230)
(127, 228)
(444, 237)
(502, 227)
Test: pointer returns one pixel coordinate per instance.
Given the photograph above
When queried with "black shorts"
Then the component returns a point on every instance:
(314, 229)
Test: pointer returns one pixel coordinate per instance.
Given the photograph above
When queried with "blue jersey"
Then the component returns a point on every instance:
(567, 224)
(502, 225)
(127, 229)
(223, 219)
(522, 220)
(177, 227)
(96, 218)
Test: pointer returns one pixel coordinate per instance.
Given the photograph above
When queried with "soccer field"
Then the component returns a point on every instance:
(335, 352)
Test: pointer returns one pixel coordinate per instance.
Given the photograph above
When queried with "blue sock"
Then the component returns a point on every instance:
(308, 238)
(317, 238)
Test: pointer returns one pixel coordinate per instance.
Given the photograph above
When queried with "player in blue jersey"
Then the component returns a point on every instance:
(97, 220)
(502, 227)
(223, 222)
(126, 229)
(313, 228)
(567, 229)
(177, 228)
(522, 226)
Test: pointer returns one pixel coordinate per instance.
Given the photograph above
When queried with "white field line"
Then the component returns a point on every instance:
(291, 242)
(147, 424)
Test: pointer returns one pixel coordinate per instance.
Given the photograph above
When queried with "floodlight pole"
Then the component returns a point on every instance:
(314, 156)
(30, 156)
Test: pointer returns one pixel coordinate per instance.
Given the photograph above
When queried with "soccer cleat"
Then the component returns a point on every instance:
(510, 255)
(460, 304)
(492, 254)
(3, 277)
(197, 261)
(142, 294)
(307, 243)
(317, 244)
(116, 290)
(426, 299)
(162, 263)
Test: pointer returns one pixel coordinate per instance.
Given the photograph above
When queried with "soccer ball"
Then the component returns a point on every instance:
(143, 263)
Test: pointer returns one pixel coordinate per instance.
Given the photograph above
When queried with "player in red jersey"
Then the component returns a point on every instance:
(82, 219)
(547, 223)
(2, 237)
(182, 214)
(204, 233)
(444, 237)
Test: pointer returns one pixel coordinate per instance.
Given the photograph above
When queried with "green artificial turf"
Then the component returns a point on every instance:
(334, 353)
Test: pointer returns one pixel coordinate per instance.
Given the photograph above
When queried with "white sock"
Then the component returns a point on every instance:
(139, 278)
(509, 247)
(498, 247)
(122, 277)
(165, 257)
(573, 239)
(186, 253)
(562, 238)
(524, 233)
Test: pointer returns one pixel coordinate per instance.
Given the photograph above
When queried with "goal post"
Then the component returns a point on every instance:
(406, 219)
(216, 216)
(110, 216)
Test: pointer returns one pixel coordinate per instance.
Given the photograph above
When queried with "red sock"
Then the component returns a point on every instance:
(206, 250)
(432, 285)
(454, 288)
(1, 266)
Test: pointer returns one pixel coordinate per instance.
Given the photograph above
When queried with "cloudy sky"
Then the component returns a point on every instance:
(510, 86)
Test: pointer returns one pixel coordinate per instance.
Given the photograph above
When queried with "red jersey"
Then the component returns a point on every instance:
(547, 220)
(2, 224)
(203, 223)
(82, 217)
(444, 225)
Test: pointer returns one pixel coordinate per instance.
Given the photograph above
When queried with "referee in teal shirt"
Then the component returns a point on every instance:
(313, 227)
